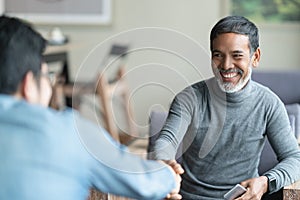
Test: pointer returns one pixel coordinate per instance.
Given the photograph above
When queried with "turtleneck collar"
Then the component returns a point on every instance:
(235, 97)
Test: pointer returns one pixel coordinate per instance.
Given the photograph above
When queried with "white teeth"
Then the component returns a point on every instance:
(229, 75)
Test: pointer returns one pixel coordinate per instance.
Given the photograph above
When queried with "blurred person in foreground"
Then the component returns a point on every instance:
(222, 123)
(47, 154)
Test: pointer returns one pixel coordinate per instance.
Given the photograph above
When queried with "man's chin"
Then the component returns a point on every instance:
(227, 87)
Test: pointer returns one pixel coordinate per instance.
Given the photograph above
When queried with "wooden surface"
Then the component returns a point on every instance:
(292, 192)
(96, 195)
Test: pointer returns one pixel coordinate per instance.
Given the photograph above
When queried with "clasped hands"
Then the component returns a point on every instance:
(178, 170)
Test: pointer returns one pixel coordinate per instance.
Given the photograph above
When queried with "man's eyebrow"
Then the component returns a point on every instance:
(238, 51)
(216, 51)
(235, 51)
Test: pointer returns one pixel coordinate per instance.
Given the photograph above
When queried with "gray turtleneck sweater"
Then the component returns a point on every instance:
(222, 137)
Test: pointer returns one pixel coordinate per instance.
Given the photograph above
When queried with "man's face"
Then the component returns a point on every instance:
(232, 62)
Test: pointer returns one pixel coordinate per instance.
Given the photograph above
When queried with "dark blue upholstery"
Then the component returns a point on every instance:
(283, 83)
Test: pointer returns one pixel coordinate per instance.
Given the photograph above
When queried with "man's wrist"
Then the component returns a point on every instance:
(271, 183)
(265, 181)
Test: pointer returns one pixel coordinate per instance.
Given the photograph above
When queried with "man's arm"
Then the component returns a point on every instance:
(285, 145)
(115, 170)
(176, 126)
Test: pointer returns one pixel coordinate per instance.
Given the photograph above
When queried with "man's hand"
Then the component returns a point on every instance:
(256, 187)
(177, 169)
(174, 194)
(175, 166)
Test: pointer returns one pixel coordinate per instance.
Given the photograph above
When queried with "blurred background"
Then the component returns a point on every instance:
(167, 40)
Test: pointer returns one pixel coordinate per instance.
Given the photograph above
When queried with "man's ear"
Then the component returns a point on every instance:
(256, 58)
(29, 88)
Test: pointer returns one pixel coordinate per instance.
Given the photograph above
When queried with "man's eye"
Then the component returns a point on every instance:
(237, 55)
(218, 55)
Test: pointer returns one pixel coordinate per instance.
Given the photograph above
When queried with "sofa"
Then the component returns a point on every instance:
(286, 85)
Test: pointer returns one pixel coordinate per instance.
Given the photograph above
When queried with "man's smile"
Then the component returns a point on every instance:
(230, 75)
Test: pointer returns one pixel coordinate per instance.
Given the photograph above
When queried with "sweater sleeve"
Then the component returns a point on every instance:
(285, 145)
(177, 123)
(113, 169)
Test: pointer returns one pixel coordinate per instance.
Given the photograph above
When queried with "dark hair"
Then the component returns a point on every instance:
(21, 50)
(236, 24)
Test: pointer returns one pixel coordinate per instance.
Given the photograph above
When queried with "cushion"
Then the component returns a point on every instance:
(293, 111)
(292, 119)
(284, 83)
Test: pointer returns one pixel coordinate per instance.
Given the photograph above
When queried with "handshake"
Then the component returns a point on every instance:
(178, 170)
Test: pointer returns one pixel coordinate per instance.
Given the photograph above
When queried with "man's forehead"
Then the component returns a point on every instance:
(231, 41)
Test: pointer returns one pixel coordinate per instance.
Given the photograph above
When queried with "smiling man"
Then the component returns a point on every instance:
(232, 61)
(222, 123)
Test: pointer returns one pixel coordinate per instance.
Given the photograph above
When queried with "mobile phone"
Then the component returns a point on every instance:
(235, 192)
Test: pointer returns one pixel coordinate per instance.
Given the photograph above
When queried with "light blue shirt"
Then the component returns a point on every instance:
(46, 154)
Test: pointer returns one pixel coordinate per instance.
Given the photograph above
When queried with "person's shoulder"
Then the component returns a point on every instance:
(197, 87)
(265, 93)
(36, 117)
(51, 113)
(201, 85)
(193, 92)
(262, 89)
(49, 116)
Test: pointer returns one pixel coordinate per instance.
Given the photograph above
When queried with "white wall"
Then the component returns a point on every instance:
(280, 46)
(155, 75)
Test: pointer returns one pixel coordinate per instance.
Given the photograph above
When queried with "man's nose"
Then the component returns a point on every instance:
(227, 63)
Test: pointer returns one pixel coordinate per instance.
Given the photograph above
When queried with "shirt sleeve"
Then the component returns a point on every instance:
(285, 145)
(115, 170)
